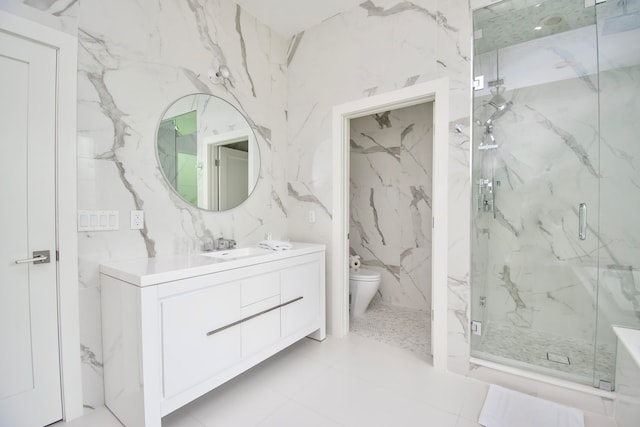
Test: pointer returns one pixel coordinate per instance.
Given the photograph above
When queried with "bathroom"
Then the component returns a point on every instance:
(135, 59)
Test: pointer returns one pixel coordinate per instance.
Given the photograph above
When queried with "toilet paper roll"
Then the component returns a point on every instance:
(354, 261)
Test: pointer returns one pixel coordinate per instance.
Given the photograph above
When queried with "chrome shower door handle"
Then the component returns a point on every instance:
(582, 221)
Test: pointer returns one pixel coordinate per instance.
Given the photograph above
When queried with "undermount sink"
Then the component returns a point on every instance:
(237, 253)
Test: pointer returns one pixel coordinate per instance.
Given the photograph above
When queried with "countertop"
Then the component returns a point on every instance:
(153, 271)
(630, 338)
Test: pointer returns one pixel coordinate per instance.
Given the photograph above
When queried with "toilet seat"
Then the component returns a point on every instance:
(364, 275)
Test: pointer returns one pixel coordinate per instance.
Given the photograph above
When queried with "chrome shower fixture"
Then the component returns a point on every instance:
(501, 109)
(488, 135)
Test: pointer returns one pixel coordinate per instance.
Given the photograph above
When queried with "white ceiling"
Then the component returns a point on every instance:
(289, 17)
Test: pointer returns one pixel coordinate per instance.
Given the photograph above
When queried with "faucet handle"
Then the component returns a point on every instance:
(221, 243)
(232, 243)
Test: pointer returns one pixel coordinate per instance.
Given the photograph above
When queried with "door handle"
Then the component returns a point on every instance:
(39, 257)
(582, 221)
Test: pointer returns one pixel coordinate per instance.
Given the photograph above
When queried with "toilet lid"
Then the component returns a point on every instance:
(363, 274)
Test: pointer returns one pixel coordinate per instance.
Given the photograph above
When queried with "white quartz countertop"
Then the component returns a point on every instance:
(153, 271)
(630, 338)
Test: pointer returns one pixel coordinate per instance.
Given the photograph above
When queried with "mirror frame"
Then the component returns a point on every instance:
(247, 133)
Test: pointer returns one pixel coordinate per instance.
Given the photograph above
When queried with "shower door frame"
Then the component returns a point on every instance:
(436, 91)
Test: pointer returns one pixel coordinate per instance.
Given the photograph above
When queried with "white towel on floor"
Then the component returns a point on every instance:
(508, 408)
(275, 245)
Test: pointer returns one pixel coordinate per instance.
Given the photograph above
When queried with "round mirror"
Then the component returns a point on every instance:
(208, 152)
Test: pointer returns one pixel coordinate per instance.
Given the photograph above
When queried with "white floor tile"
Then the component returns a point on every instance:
(463, 422)
(355, 402)
(242, 402)
(100, 417)
(346, 382)
(293, 414)
(473, 400)
(286, 372)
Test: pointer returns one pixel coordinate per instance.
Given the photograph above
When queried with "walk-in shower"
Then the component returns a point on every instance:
(556, 185)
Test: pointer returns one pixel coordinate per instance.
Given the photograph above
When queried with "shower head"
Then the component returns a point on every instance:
(496, 97)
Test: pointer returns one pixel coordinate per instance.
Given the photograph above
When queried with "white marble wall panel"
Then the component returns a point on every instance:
(377, 47)
(134, 60)
(390, 194)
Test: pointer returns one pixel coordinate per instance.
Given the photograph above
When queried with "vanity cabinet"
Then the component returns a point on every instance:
(174, 330)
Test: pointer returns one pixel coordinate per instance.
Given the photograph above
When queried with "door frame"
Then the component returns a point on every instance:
(66, 46)
(436, 91)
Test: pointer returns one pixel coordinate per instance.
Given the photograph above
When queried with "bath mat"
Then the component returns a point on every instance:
(508, 408)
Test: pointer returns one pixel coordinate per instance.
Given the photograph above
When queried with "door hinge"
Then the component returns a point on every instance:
(57, 254)
(483, 301)
(217, 162)
(478, 83)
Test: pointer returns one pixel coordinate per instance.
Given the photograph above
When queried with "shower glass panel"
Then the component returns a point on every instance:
(618, 278)
(535, 198)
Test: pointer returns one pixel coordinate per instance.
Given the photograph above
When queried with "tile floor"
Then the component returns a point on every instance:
(403, 327)
(352, 381)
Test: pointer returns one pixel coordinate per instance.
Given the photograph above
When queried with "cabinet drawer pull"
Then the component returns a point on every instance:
(237, 322)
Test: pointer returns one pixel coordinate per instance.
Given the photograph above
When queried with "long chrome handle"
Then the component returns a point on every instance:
(253, 316)
(582, 221)
(39, 257)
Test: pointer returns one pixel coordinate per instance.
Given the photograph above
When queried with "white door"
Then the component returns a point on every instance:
(30, 392)
(234, 180)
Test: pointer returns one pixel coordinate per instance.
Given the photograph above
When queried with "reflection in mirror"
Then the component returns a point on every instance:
(208, 152)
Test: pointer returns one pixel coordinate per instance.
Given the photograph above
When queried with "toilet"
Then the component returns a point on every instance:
(363, 285)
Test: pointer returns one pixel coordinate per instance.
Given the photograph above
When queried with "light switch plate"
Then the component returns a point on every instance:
(98, 220)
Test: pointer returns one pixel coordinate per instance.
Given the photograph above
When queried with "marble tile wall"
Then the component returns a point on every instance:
(379, 46)
(159, 51)
(134, 59)
(390, 201)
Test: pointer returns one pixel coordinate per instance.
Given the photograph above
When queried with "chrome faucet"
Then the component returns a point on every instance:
(223, 244)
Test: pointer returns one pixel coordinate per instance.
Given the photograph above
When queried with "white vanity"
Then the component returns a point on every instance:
(175, 328)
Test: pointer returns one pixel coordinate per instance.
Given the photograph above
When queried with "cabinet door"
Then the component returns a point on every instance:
(191, 353)
(263, 330)
(300, 281)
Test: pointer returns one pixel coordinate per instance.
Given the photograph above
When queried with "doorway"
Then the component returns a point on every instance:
(390, 226)
(436, 92)
(45, 149)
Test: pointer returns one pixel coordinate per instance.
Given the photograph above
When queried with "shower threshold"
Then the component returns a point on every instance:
(537, 373)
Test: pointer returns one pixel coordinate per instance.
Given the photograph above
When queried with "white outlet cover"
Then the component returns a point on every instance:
(137, 220)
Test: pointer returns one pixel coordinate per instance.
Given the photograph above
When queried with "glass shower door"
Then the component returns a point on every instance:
(536, 171)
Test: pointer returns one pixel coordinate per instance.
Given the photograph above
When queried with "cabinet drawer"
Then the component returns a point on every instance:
(189, 355)
(258, 288)
(300, 281)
